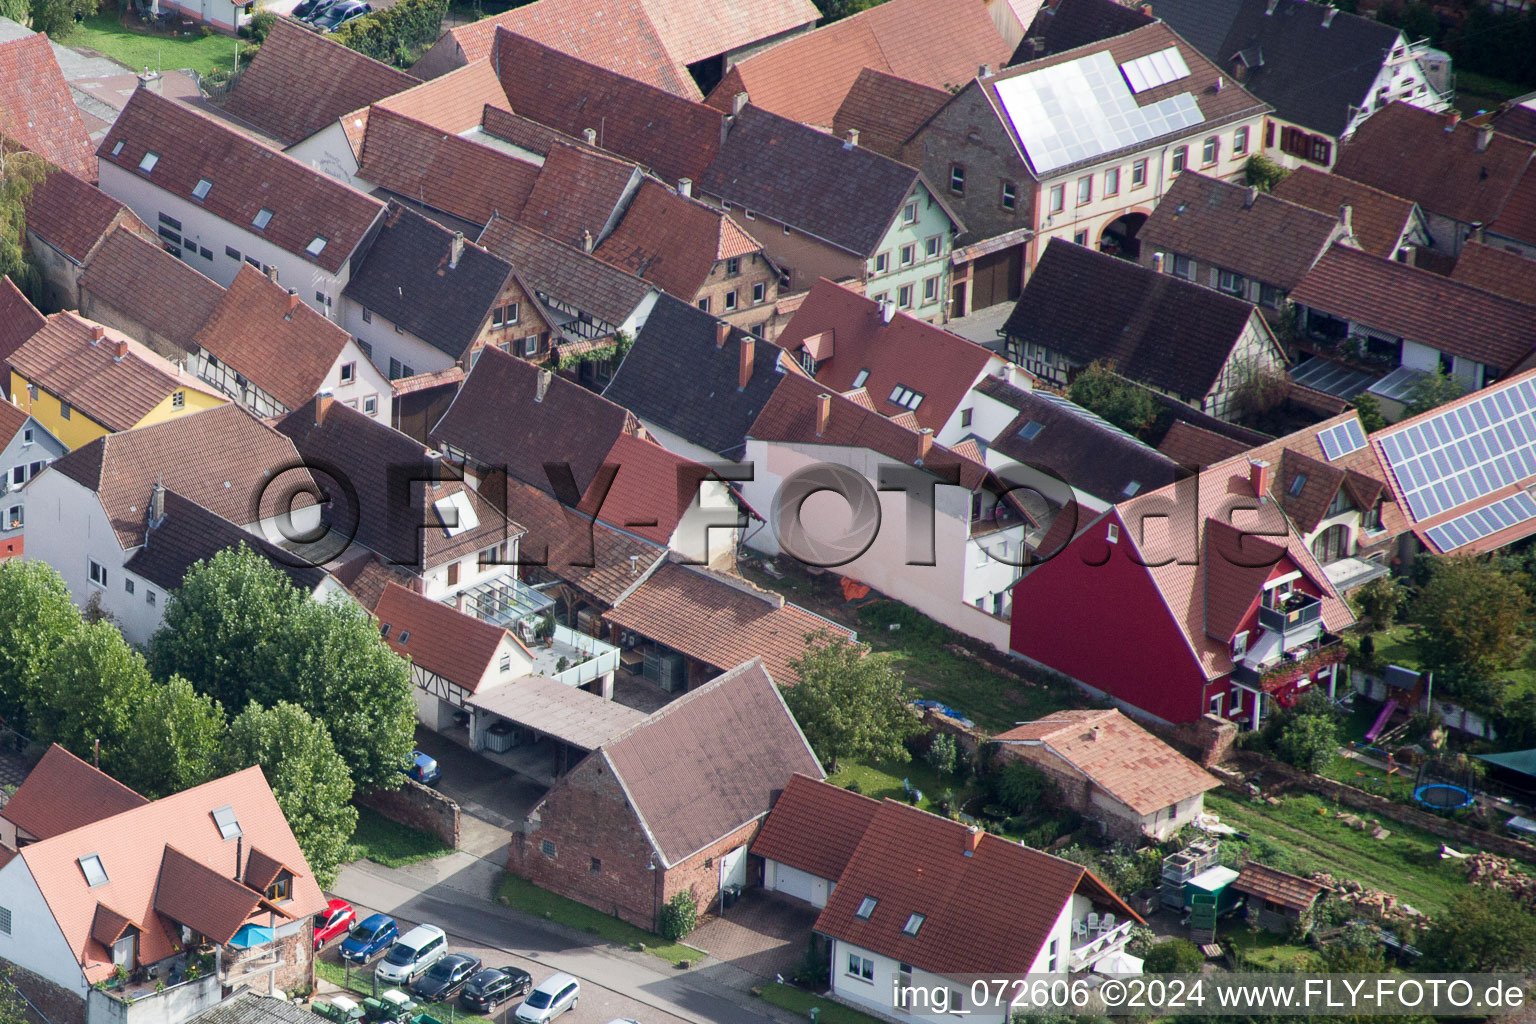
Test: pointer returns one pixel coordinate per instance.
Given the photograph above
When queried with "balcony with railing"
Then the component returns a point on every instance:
(1298, 620)
(1094, 939)
(561, 653)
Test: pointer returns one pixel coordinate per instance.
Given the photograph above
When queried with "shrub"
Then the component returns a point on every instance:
(1175, 956)
(815, 968)
(260, 27)
(391, 34)
(1021, 786)
(1264, 172)
(680, 916)
(942, 754)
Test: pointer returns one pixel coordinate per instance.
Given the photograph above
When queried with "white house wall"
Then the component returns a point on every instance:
(879, 994)
(329, 152)
(386, 341)
(34, 941)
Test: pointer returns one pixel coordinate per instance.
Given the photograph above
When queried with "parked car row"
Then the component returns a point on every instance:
(330, 15)
(419, 960)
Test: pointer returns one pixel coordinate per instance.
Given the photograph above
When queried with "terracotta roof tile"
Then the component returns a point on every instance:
(579, 190)
(1277, 886)
(931, 42)
(564, 273)
(1119, 757)
(886, 111)
(261, 869)
(108, 925)
(19, 319)
(1498, 271)
(1236, 565)
(442, 639)
(423, 164)
(815, 827)
(1422, 307)
(710, 762)
(1517, 118)
(1196, 448)
(190, 534)
(454, 103)
(148, 285)
(37, 110)
(74, 216)
(521, 131)
(1380, 220)
(671, 241)
(301, 81)
(366, 576)
(63, 793)
(1518, 218)
(652, 490)
(693, 31)
(247, 178)
(208, 901)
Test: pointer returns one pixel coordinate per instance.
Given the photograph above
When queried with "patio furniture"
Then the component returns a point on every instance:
(1107, 923)
(1080, 930)
(1093, 921)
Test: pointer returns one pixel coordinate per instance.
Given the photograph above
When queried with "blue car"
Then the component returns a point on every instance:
(423, 768)
(369, 939)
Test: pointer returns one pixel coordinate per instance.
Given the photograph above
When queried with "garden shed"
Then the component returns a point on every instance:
(1277, 901)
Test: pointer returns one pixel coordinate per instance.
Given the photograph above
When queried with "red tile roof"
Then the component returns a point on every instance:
(19, 319)
(1498, 271)
(63, 793)
(191, 893)
(247, 178)
(1380, 219)
(673, 242)
(454, 103)
(1276, 886)
(886, 111)
(1196, 448)
(815, 827)
(37, 109)
(651, 492)
(989, 913)
(906, 352)
(442, 639)
(301, 81)
(1117, 756)
(1518, 218)
(74, 216)
(710, 762)
(693, 31)
(579, 192)
(141, 281)
(931, 42)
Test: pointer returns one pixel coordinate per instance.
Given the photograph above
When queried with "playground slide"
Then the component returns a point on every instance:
(1381, 721)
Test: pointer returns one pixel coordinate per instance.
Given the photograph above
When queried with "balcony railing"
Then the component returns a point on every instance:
(1096, 947)
(600, 658)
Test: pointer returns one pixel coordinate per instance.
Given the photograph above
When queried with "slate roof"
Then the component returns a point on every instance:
(19, 319)
(247, 177)
(62, 360)
(63, 793)
(1276, 886)
(1087, 306)
(815, 827)
(1196, 448)
(1117, 756)
(1247, 232)
(1075, 23)
(1498, 271)
(1407, 152)
(710, 762)
(565, 273)
(671, 241)
(453, 103)
(37, 109)
(1379, 219)
(931, 42)
(1420, 306)
(441, 639)
(301, 81)
(846, 196)
(886, 111)
(678, 377)
(405, 278)
(190, 534)
(721, 620)
(1311, 72)
(73, 215)
(911, 861)
(672, 136)
(148, 285)
(578, 190)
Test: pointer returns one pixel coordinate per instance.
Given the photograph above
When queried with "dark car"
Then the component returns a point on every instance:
(444, 979)
(368, 940)
(423, 768)
(494, 986)
(338, 14)
(307, 9)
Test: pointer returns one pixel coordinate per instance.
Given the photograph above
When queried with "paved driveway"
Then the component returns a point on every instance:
(493, 799)
(765, 934)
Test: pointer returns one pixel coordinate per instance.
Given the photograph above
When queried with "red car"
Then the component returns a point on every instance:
(334, 921)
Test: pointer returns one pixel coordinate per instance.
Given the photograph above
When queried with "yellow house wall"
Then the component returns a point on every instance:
(80, 429)
(194, 401)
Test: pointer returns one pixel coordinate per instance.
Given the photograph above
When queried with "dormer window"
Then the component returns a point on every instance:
(201, 191)
(913, 924)
(147, 164)
(229, 825)
(866, 908)
(316, 245)
(281, 888)
(95, 874)
(262, 219)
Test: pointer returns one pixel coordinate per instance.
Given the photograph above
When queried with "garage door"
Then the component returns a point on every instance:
(794, 882)
(733, 868)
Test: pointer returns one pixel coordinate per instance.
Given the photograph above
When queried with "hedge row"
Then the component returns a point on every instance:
(393, 35)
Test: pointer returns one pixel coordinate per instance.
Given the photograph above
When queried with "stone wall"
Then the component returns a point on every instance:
(1206, 741)
(701, 872)
(57, 1003)
(416, 806)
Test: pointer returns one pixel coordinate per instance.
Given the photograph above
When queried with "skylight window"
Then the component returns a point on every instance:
(456, 513)
(384, 631)
(913, 924)
(1030, 430)
(405, 637)
(316, 245)
(117, 148)
(262, 219)
(1298, 484)
(201, 191)
(906, 397)
(863, 376)
(1131, 488)
(95, 874)
(229, 825)
(148, 163)
(866, 908)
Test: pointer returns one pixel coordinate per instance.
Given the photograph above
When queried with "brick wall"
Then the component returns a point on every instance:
(1206, 741)
(58, 1004)
(701, 872)
(967, 132)
(416, 806)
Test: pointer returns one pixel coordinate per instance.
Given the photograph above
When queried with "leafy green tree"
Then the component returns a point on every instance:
(1483, 931)
(173, 740)
(1099, 389)
(307, 776)
(1264, 173)
(90, 691)
(17, 10)
(1432, 391)
(20, 172)
(1368, 408)
(13, 1008)
(1380, 601)
(942, 754)
(36, 616)
(1021, 786)
(1471, 621)
(850, 703)
(1305, 735)
(57, 18)
(1174, 956)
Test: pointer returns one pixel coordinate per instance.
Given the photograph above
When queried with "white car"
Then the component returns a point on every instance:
(549, 999)
(412, 954)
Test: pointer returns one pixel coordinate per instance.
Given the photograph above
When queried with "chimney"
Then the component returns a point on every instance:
(823, 412)
(323, 402)
(985, 71)
(293, 304)
(924, 443)
(1096, 733)
(972, 840)
(119, 350)
(586, 240)
(1219, 82)
(542, 388)
(239, 848)
(685, 187)
(1253, 197)
(1476, 233)
(1146, 9)
(1328, 16)
(1484, 136)
(271, 273)
(157, 505)
(722, 332)
(455, 250)
(738, 103)
(1270, 10)
(1347, 218)
(1452, 119)
(852, 138)
(887, 310)
(1157, 263)
(744, 363)
(589, 136)
(97, 333)
(1258, 476)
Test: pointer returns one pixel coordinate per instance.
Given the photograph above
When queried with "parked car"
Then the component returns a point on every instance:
(623, 1020)
(423, 768)
(336, 919)
(411, 955)
(338, 14)
(494, 986)
(549, 999)
(307, 9)
(369, 939)
(446, 977)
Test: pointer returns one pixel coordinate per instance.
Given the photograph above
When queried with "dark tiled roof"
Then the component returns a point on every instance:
(674, 137)
(1248, 232)
(19, 319)
(807, 179)
(1307, 500)
(1290, 891)
(1089, 306)
(40, 113)
(301, 81)
(565, 273)
(1407, 152)
(247, 178)
(886, 111)
(1495, 270)
(815, 827)
(1379, 219)
(248, 1008)
(62, 793)
(710, 762)
(1075, 23)
(1517, 118)
(1518, 218)
(670, 241)
(405, 277)
(1420, 306)
(521, 131)
(148, 285)
(442, 639)
(190, 534)
(1195, 448)
(1236, 565)
(679, 378)
(73, 215)
(578, 190)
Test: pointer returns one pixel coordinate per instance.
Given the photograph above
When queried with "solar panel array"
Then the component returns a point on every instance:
(1465, 452)
(1474, 526)
(1082, 109)
(1155, 69)
(1341, 439)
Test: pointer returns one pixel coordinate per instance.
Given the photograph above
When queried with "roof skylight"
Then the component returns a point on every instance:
(201, 191)
(866, 908)
(229, 825)
(147, 164)
(95, 874)
(316, 245)
(262, 219)
(913, 924)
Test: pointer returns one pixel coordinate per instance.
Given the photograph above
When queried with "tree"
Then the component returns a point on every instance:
(1380, 600)
(90, 691)
(57, 18)
(850, 703)
(36, 616)
(17, 10)
(1021, 786)
(13, 1008)
(174, 739)
(1483, 931)
(1306, 735)
(1432, 391)
(1099, 389)
(942, 754)
(1264, 173)
(307, 776)
(1368, 408)
(1471, 621)
(20, 171)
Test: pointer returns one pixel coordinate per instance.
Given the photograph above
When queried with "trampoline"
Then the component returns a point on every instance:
(1442, 796)
(1445, 785)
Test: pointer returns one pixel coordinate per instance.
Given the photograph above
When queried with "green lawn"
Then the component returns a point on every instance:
(1476, 92)
(106, 34)
(1266, 951)
(391, 844)
(361, 983)
(882, 780)
(525, 896)
(799, 1001)
(1394, 648)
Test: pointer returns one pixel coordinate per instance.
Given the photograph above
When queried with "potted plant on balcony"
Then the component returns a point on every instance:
(544, 632)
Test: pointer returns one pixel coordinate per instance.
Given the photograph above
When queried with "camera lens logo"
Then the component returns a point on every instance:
(309, 511)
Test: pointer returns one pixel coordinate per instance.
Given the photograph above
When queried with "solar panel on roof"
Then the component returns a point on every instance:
(1480, 523)
(1155, 69)
(1341, 439)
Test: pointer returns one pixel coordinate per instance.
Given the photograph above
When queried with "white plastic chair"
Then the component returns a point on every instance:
(1107, 924)
(1093, 921)
(1080, 930)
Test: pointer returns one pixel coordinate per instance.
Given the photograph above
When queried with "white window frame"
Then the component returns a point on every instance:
(97, 573)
